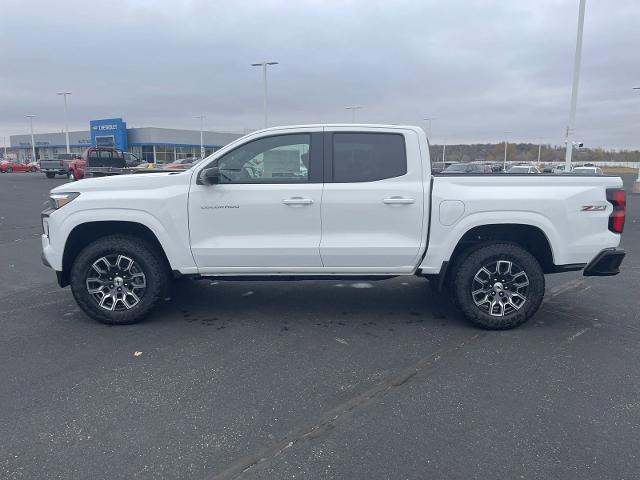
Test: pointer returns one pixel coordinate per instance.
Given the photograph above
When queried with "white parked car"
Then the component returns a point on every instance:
(560, 168)
(327, 201)
(587, 170)
(523, 169)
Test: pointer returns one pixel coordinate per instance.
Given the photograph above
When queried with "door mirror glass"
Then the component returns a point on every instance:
(210, 176)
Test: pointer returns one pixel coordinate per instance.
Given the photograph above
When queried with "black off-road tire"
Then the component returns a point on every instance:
(50, 174)
(149, 260)
(463, 285)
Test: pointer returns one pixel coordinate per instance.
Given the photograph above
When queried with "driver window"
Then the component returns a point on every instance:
(278, 159)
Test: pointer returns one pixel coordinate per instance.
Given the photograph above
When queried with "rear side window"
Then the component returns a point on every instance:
(366, 157)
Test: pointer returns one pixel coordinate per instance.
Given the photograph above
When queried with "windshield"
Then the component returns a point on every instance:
(519, 170)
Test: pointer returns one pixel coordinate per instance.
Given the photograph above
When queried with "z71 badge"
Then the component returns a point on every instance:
(593, 208)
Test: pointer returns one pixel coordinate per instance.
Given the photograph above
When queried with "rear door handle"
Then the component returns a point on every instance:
(297, 201)
(396, 200)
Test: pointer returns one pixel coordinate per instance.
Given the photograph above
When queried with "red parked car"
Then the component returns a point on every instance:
(8, 167)
(182, 164)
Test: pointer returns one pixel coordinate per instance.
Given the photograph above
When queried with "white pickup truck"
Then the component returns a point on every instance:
(327, 201)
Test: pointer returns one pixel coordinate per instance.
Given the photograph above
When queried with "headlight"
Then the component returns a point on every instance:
(59, 200)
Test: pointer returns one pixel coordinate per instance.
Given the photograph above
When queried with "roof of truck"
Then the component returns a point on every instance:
(341, 125)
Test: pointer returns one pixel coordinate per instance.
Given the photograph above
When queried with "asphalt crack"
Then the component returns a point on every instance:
(329, 419)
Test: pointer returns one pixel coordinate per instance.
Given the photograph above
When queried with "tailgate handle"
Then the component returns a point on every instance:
(395, 200)
(297, 201)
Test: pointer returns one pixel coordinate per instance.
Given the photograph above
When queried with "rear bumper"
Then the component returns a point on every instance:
(606, 263)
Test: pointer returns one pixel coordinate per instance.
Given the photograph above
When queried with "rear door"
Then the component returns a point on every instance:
(373, 200)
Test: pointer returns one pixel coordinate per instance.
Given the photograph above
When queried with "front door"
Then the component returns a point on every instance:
(264, 214)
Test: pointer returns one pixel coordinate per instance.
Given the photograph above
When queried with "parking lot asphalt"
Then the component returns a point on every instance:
(313, 379)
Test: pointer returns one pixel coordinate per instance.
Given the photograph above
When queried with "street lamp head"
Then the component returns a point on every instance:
(261, 64)
(353, 107)
(63, 93)
(30, 116)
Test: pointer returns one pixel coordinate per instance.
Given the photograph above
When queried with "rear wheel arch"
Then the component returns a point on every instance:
(88, 232)
(530, 238)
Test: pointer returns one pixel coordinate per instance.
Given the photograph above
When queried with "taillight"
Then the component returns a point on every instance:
(618, 198)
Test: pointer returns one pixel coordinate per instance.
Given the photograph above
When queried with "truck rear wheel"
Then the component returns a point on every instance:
(50, 174)
(499, 286)
(118, 279)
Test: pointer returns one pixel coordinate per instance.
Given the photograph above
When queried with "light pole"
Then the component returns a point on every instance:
(444, 151)
(4, 141)
(636, 185)
(428, 120)
(539, 151)
(264, 64)
(201, 117)
(33, 143)
(353, 109)
(66, 124)
(504, 162)
(574, 89)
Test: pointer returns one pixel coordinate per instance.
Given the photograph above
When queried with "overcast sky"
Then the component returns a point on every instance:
(480, 67)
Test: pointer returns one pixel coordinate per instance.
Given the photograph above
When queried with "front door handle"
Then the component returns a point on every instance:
(396, 200)
(297, 201)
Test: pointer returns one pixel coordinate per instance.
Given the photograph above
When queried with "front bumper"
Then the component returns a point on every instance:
(606, 263)
(43, 257)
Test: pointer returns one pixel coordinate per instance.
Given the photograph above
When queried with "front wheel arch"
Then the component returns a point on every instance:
(88, 232)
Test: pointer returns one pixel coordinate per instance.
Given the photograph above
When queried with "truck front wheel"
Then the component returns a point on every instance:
(118, 279)
(499, 286)
(50, 174)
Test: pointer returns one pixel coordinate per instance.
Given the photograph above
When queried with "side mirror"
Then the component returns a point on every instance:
(209, 176)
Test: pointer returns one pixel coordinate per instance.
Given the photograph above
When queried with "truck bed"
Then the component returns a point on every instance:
(571, 211)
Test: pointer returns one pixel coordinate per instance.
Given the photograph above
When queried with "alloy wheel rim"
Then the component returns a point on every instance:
(500, 288)
(116, 282)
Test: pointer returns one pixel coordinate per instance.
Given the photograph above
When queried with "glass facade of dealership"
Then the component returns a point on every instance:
(151, 144)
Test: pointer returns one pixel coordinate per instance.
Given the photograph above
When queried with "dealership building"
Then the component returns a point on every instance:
(157, 145)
